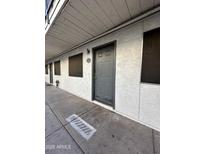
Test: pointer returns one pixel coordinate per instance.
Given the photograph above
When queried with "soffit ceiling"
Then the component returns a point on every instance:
(82, 20)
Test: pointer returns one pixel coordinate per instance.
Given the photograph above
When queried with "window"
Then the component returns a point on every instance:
(46, 69)
(48, 4)
(57, 68)
(76, 65)
(151, 57)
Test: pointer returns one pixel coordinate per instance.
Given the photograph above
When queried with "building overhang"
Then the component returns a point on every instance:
(82, 21)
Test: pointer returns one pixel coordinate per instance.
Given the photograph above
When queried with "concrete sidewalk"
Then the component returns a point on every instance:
(115, 134)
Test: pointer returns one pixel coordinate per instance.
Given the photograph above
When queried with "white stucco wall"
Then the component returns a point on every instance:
(132, 98)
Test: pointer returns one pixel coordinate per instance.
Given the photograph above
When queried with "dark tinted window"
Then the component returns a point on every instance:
(76, 65)
(57, 68)
(151, 57)
(46, 69)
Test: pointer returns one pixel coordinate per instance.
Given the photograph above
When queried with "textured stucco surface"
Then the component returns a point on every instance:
(149, 104)
(133, 99)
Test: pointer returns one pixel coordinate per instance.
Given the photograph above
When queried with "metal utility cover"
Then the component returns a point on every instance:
(81, 126)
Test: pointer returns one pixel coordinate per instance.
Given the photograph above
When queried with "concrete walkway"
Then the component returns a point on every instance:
(115, 134)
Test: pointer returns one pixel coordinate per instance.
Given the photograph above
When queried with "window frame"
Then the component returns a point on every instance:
(69, 66)
(55, 71)
(145, 80)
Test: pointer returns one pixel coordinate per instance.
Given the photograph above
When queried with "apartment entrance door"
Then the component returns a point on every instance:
(104, 74)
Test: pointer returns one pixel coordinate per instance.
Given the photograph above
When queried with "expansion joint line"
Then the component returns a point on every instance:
(63, 126)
